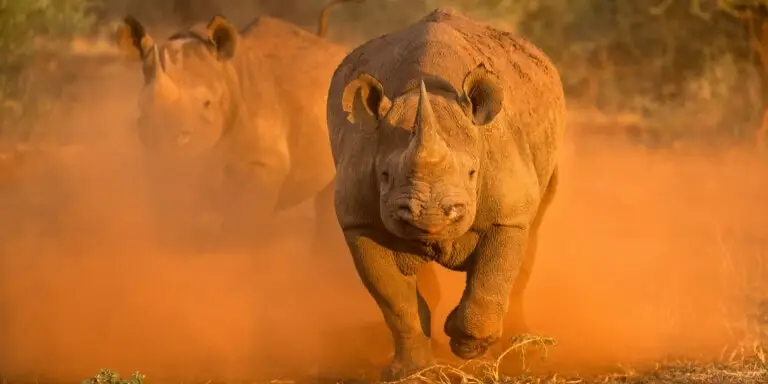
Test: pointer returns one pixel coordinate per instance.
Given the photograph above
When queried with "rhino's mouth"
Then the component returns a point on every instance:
(411, 222)
(429, 223)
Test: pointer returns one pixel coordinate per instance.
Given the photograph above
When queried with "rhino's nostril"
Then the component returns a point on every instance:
(454, 212)
(404, 212)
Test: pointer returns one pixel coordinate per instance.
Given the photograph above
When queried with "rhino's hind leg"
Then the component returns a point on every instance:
(405, 311)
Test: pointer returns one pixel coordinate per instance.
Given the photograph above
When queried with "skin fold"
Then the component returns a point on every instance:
(444, 136)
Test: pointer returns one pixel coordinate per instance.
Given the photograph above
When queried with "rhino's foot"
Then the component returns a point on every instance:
(416, 358)
(513, 326)
(401, 370)
(464, 345)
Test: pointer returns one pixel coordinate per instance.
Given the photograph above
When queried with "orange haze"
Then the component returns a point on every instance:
(644, 255)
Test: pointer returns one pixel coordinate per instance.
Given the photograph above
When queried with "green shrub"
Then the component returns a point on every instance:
(24, 24)
(666, 60)
(106, 376)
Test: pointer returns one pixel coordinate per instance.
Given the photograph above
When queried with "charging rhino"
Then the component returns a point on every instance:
(248, 104)
(444, 135)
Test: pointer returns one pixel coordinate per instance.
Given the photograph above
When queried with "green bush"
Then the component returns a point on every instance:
(24, 22)
(23, 25)
(106, 376)
(685, 66)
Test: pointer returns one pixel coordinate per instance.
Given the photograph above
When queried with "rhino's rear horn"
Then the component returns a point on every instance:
(482, 89)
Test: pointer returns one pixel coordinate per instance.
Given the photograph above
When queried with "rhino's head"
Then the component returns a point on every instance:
(185, 104)
(430, 150)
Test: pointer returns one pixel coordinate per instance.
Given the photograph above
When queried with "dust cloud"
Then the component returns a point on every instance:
(91, 276)
(644, 255)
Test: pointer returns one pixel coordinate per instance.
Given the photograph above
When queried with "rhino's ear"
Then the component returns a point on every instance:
(364, 98)
(483, 91)
(224, 36)
(132, 39)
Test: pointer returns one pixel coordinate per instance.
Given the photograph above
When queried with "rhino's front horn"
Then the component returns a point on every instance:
(164, 87)
(426, 144)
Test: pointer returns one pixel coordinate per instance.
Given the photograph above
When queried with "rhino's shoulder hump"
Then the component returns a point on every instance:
(270, 28)
(442, 14)
(288, 52)
(395, 57)
(448, 44)
(494, 43)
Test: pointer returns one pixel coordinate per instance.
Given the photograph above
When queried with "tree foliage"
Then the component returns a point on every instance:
(684, 64)
(23, 22)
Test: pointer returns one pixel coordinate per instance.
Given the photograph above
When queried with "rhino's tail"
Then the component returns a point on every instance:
(322, 27)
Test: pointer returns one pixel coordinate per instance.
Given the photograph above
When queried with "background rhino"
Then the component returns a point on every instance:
(445, 135)
(247, 106)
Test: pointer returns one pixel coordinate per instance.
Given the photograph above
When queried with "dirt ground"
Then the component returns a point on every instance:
(645, 257)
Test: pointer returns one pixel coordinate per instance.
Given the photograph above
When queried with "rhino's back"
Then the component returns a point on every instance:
(290, 51)
(286, 77)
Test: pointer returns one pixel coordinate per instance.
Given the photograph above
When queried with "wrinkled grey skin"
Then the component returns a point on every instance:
(444, 136)
(247, 106)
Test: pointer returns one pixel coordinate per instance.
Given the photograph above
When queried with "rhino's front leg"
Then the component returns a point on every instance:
(251, 192)
(404, 309)
(477, 322)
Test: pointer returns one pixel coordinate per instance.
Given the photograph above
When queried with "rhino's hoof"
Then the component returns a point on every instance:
(416, 359)
(464, 345)
(469, 348)
(401, 371)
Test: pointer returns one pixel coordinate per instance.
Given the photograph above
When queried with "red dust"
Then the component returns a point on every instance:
(643, 255)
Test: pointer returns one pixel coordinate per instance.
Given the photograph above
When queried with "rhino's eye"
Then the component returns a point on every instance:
(472, 174)
(206, 103)
(385, 175)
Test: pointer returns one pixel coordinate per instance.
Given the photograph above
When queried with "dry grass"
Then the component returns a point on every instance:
(742, 366)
